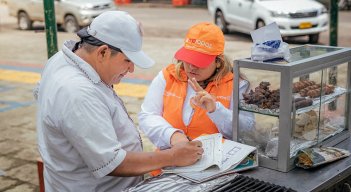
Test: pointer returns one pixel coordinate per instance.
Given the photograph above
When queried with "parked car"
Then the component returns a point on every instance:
(326, 3)
(70, 14)
(294, 17)
(342, 4)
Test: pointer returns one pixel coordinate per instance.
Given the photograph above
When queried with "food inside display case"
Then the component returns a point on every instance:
(310, 124)
(306, 126)
(302, 102)
(308, 131)
(305, 93)
(310, 89)
(262, 97)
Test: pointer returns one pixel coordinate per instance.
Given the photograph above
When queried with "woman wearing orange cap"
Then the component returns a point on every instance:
(193, 96)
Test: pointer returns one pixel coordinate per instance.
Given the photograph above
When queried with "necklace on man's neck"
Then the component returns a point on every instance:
(107, 85)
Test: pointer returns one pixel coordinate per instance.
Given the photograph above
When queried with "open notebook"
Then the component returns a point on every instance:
(220, 157)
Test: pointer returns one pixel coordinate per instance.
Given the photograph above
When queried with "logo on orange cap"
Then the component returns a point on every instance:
(199, 42)
(203, 42)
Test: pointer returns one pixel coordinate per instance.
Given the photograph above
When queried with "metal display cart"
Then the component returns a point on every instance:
(318, 75)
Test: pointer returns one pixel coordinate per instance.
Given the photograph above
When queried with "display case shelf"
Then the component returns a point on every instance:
(325, 99)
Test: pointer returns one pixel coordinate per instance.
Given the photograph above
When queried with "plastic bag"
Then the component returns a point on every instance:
(268, 44)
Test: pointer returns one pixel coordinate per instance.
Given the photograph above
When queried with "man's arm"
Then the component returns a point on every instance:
(138, 163)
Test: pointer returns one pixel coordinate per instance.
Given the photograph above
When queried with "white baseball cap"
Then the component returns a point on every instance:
(120, 30)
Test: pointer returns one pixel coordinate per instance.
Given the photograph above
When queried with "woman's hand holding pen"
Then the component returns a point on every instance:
(202, 98)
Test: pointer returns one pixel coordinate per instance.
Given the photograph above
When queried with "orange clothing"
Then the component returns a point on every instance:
(174, 97)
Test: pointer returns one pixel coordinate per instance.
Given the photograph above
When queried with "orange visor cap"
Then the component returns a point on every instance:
(203, 42)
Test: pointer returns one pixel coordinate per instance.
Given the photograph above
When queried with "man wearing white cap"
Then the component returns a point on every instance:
(85, 134)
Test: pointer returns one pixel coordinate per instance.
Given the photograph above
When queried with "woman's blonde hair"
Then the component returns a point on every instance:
(223, 67)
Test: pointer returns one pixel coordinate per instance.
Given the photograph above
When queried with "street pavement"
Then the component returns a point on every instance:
(23, 55)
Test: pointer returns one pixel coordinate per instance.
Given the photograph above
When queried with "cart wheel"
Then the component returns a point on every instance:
(313, 38)
(70, 24)
(221, 22)
(23, 21)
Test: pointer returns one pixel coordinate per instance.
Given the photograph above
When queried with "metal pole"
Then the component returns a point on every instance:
(333, 41)
(305, 54)
(50, 27)
(333, 27)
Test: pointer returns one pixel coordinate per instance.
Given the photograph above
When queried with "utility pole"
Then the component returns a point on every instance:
(50, 27)
(333, 41)
(333, 26)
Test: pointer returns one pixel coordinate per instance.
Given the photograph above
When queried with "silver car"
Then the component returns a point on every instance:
(70, 14)
(293, 17)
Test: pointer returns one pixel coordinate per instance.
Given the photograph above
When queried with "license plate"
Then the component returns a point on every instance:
(305, 25)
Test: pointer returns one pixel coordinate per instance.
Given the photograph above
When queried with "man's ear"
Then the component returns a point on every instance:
(103, 51)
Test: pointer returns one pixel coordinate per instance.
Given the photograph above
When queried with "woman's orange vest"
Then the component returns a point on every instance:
(174, 97)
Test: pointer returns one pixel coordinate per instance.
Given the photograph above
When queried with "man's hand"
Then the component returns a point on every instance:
(202, 98)
(178, 137)
(184, 154)
(138, 163)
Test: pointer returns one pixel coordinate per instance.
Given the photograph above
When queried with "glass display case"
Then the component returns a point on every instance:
(297, 104)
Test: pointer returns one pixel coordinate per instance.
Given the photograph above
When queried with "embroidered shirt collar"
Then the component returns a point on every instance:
(82, 65)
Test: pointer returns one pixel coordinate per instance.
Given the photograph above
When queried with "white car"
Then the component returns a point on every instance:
(294, 17)
(71, 14)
